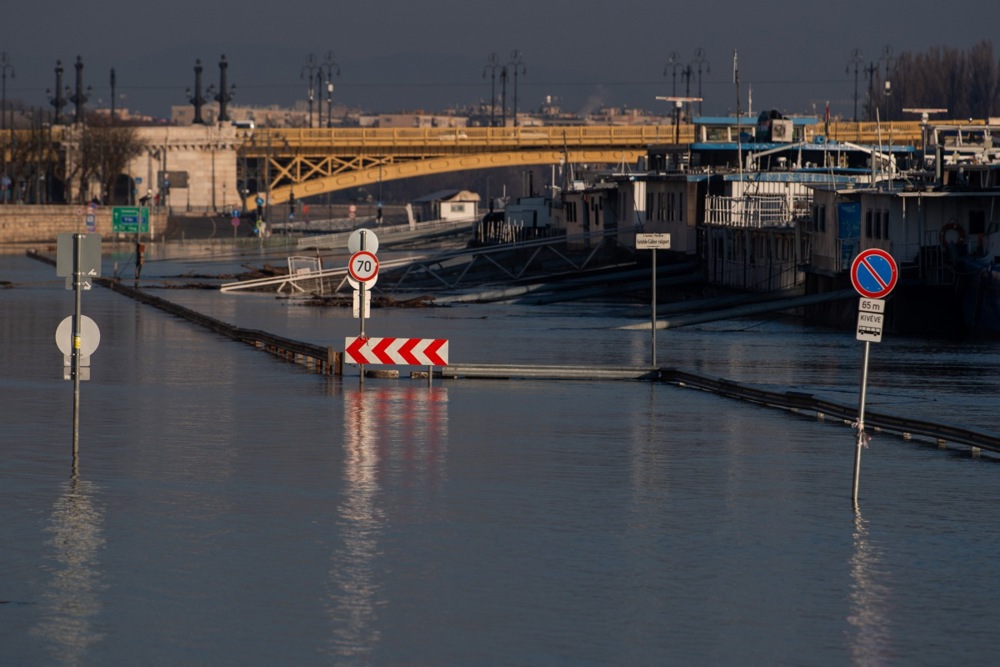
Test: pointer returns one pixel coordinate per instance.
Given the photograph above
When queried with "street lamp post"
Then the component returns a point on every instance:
(671, 66)
(195, 98)
(517, 62)
(79, 98)
(58, 101)
(224, 96)
(870, 71)
(492, 65)
(309, 74)
(503, 96)
(4, 67)
(113, 95)
(329, 63)
(856, 60)
(887, 58)
(699, 59)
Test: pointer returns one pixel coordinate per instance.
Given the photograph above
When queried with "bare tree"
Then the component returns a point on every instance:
(106, 149)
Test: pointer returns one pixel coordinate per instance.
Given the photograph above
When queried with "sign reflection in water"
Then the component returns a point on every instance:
(392, 434)
(72, 599)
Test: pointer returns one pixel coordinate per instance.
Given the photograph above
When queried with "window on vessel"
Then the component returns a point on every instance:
(819, 218)
(977, 222)
(869, 233)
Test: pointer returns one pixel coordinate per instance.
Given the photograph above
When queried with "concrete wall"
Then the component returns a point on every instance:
(42, 224)
(207, 153)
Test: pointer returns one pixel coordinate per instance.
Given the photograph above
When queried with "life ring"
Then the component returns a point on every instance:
(952, 227)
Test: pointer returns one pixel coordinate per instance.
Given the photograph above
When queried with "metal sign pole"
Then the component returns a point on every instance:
(653, 311)
(862, 437)
(361, 309)
(75, 343)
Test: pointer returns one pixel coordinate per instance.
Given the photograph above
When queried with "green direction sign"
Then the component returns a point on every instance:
(126, 219)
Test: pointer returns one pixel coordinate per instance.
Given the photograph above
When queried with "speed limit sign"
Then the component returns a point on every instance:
(363, 266)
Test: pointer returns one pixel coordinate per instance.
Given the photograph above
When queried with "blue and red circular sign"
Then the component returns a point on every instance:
(874, 273)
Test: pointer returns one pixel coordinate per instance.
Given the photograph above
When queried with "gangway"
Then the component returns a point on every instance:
(389, 234)
(323, 277)
(451, 269)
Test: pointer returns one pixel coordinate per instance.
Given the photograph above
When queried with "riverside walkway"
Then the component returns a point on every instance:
(328, 361)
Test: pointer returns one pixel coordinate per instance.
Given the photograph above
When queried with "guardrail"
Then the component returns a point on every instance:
(796, 401)
(286, 142)
(324, 360)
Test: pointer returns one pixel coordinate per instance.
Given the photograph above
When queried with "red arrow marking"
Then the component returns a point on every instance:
(381, 350)
(410, 351)
(406, 352)
(432, 352)
(354, 350)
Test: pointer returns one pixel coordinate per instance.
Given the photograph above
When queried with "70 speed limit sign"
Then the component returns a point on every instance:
(363, 266)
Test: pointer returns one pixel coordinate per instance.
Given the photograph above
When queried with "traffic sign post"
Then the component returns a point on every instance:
(654, 242)
(874, 274)
(362, 269)
(77, 255)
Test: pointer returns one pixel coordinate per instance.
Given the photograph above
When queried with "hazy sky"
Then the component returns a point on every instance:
(401, 54)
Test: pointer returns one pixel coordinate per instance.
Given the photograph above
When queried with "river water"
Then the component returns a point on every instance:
(229, 508)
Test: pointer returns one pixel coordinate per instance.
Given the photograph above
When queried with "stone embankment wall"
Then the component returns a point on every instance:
(42, 224)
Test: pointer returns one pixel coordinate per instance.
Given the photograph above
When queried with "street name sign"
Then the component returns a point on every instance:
(396, 351)
(652, 241)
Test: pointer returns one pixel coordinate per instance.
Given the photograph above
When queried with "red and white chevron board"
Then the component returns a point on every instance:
(397, 351)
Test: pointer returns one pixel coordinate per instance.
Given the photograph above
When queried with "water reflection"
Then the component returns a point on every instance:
(871, 634)
(386, 429)
(72, 599)
(360, 517)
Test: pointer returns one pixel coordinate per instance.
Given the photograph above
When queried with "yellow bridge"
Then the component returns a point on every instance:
(294, 162)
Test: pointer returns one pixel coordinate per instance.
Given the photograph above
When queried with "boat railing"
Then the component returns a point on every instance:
(757, 211)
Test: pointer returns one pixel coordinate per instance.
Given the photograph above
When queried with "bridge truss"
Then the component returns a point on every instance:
(304, 162)
(307, 162)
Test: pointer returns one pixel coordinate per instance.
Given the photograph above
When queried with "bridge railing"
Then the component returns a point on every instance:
(291, 141)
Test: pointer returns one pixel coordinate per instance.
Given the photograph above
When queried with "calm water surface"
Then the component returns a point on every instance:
(230, 508)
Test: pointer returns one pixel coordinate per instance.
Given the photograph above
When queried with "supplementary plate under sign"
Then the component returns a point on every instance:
(652, 241)
(871, 305)
(870, 327)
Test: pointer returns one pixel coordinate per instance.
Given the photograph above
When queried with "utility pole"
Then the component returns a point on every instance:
(856, 60)
(492, 65)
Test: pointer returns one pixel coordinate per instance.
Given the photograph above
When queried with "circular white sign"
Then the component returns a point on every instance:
(370, 241)
(90, 336)
(363, 266)
(356, 285)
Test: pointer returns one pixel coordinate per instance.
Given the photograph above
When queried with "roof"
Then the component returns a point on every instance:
(750, 120)
(448, 195)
